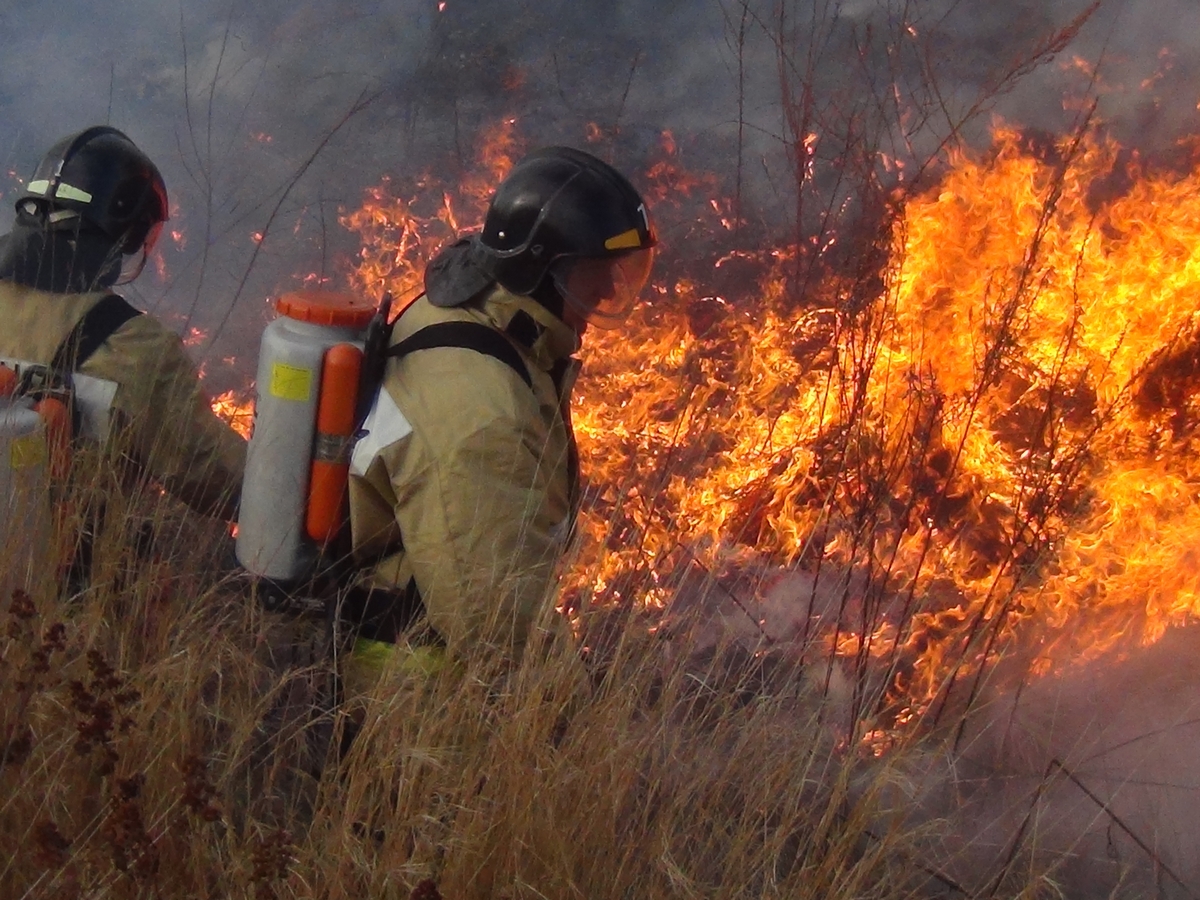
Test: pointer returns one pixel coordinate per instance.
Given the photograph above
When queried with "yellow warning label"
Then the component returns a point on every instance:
(291, 382)
(27, 451)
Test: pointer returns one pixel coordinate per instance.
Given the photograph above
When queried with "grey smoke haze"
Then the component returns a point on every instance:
(233, 98)
(1092, 777)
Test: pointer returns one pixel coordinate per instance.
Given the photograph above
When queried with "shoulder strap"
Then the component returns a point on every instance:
(468, 335)
(97, 325)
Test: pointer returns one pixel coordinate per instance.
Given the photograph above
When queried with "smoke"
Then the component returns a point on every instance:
(1085, 779)
(237, 101)
(1089, 776)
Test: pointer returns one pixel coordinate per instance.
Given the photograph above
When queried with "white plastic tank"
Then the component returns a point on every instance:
(271, 540)
(25, 515)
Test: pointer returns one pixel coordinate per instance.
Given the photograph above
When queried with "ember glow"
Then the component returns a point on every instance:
(991, 442)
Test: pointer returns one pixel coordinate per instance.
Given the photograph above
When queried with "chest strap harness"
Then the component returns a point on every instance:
(97, 325)
(469, 336)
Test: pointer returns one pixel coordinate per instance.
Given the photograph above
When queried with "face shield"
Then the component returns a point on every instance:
(602, 290)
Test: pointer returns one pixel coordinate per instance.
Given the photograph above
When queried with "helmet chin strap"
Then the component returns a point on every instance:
(546, 293)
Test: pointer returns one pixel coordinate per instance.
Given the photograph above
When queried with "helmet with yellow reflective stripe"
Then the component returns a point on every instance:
(99, 176)
(564, 218)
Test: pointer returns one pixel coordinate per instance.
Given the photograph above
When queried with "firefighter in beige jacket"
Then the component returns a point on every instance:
(86, 221)
(464, 478)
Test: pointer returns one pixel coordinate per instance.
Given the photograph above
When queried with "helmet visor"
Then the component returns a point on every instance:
(133, 263)
(603, 290)
(152, 237)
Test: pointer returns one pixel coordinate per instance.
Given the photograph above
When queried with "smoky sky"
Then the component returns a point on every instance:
(271, 117)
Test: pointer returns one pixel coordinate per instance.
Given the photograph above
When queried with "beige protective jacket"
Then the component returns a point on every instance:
(463, 479)
(165, 422)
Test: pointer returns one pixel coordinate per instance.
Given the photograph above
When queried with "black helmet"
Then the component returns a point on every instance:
(564, 212)
(102, 177)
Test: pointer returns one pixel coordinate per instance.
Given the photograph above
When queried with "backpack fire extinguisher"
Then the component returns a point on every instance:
(294, 491)
(43, 407)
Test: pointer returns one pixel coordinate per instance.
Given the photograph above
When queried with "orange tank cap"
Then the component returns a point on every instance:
(337, 308)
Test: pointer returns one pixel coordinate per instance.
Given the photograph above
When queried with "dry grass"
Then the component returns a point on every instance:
(163, 738)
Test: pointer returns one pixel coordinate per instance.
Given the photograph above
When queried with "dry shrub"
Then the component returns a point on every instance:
(132, 703)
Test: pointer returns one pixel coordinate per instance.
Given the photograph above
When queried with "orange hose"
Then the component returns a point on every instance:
(331, 449)
(58, 434)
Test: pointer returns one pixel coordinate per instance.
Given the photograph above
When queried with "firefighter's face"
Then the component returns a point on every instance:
(602, 291)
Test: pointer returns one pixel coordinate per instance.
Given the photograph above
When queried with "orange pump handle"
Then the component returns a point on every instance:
(331, 450)
(57, 419)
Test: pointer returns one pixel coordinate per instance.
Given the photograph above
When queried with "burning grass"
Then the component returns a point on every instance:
(978, 420)
(826, 504)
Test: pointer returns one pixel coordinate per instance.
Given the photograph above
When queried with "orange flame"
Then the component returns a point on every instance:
(402, 229)
(236, 408)
(999, 430)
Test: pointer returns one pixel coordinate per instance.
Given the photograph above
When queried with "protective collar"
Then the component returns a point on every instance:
(553, 339)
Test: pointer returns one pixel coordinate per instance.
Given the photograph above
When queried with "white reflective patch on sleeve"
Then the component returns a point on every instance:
(384, 426)
(94, 397)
